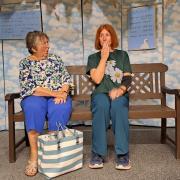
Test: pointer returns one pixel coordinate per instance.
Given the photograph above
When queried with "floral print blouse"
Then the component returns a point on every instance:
(49, 73)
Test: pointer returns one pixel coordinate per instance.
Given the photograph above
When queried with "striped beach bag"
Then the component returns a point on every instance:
(60, 152)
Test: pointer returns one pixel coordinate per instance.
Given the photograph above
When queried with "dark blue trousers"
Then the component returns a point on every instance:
(38, 108)
(104, 109)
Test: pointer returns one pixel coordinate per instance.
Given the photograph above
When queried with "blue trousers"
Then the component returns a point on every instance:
(37, 108)
(104, 109)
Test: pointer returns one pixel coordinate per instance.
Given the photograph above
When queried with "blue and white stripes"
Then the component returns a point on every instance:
(58, 155)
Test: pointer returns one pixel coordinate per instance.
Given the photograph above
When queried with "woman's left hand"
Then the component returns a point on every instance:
(115, 93)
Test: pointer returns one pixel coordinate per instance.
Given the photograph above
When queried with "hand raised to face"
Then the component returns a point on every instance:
(105, 51)
(105, 41)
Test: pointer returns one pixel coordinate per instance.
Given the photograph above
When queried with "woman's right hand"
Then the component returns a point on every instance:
(60, 97)
(105, 51)
(59, 100)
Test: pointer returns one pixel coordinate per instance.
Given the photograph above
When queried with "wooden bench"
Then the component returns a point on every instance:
(148, 83)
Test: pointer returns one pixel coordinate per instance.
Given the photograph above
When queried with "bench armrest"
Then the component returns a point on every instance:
(12, 96)
(170, 91)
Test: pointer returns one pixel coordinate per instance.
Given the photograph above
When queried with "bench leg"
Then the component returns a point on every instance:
(163, 130)
(177, 129)
(12, 148)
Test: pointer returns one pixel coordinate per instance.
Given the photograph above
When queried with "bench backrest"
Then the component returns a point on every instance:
(146, 82)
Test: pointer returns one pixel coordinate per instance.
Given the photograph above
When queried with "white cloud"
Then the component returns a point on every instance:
(174, 27)
(175, 66)
(170, 40)
(13, 72)
(54, 22)
(172, 81)
(1, 110)
(67, 56)
(175, 56)
(9, 47)
(64, 34)
(175, 16)
(75, 45)
(177, 47)
(17, 54)
(14, 62)
(11, 86)
(1, 83)
(176, 7)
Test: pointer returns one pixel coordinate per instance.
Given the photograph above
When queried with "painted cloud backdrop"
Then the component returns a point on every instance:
(63, 23)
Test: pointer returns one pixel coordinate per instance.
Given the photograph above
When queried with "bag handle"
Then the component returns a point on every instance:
(60, 127)
(64, 127)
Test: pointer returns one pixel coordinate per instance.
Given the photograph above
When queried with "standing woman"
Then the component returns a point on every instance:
(44, 86)
(110, 70)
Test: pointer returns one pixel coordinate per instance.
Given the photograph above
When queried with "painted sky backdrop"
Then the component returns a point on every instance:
(72, 36)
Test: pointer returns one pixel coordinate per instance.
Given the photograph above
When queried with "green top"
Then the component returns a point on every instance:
(117, 64)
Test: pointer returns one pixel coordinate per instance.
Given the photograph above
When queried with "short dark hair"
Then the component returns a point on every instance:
(110, 29)
(32, 37)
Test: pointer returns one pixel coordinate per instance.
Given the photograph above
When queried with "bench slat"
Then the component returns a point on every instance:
(150, 111)
(135, 112)
(149, 67)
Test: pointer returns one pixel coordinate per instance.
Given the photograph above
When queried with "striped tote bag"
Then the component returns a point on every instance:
(60, 152)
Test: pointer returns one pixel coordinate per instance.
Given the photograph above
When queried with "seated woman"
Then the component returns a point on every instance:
(110, 69)
(44, 86)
